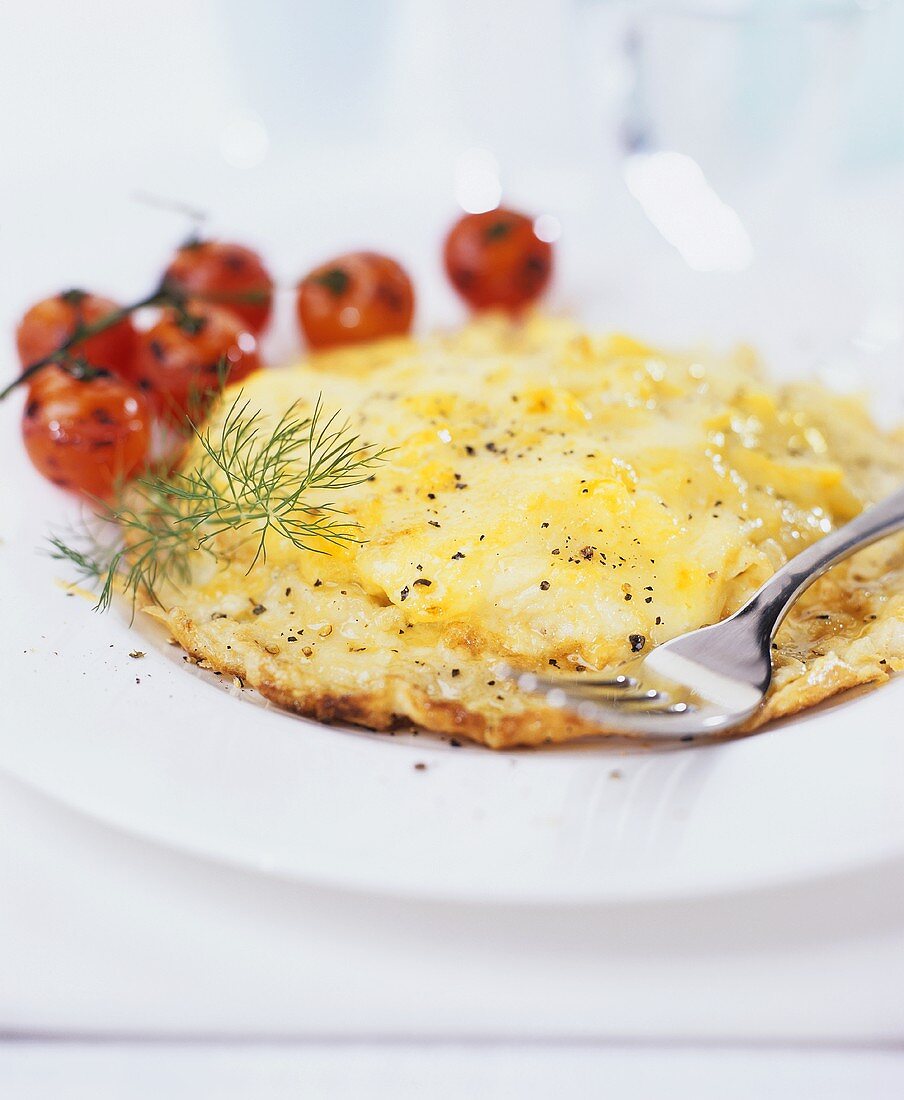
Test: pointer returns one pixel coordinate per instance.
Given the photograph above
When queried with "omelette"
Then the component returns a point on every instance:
(550, 499)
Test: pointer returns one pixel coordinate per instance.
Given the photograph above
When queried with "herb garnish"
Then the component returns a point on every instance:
(247, 480)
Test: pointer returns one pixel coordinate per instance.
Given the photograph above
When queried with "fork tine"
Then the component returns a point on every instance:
(665, 708)
(645, 704)
(626, 689)
(648, 702)
(583, 696)
(595, 708)
(531, 681)
(649, 696)
(623, 698)
(615, 683)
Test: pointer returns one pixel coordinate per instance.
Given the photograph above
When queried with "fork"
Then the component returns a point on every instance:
(707, 681)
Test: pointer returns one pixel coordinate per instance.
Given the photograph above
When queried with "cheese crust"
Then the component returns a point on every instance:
(552, 500)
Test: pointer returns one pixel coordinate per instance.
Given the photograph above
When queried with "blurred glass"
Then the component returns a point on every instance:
(747, 86)
(762, 141)
(759, 96)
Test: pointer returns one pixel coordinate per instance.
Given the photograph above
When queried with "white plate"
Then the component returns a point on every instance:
(148, 746)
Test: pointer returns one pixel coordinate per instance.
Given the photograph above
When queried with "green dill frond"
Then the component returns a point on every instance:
(248, 480)
(94, 563)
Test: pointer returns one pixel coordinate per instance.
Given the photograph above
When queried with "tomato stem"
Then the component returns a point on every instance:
(165, 295)
(161, 296)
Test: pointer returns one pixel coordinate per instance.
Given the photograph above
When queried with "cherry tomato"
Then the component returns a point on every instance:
(358, 297)
(226, 274)
(52, 321)
(497, 259)
(88, 436)
(186, 356)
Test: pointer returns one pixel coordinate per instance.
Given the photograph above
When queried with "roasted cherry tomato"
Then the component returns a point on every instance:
(358, 297)
(497, 259)
(229, 275)
(189, 353)
(52, 321)
(88, 436)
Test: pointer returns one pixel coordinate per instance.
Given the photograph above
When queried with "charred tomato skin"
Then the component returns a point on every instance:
(225, 274)
(52, 321)
(357, 297)
(87, 436)
(496, 260)
(183, 359)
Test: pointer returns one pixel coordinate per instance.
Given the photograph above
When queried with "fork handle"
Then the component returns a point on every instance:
(774, 599)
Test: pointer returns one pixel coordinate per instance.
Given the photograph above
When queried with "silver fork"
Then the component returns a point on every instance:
(705, 682)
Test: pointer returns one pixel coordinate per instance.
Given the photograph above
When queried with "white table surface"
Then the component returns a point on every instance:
(106, 935)
(36, 1071)
(126, 963)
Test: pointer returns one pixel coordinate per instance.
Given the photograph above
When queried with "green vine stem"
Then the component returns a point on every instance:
(161, 296)
(79, 368)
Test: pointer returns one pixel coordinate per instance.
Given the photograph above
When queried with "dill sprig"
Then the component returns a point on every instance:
(247, 481)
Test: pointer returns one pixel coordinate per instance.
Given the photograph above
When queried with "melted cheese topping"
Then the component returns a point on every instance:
(553, 496)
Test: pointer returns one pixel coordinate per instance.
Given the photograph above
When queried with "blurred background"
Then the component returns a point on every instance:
(717, 169)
